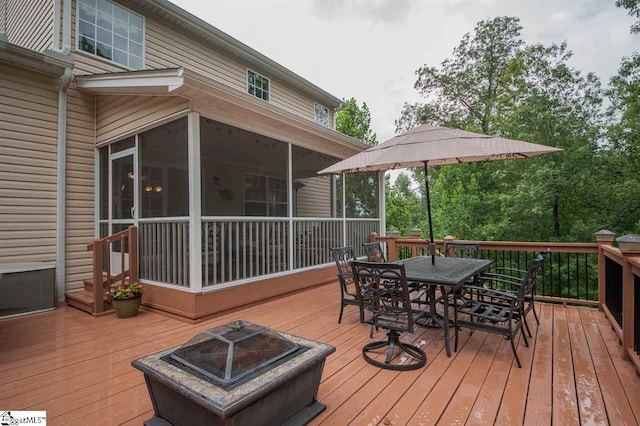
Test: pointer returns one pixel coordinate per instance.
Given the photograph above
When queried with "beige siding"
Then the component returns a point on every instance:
(80, 187)
(30, 23)
(118, 115)
(314, 199)
(166, 47)
(28, 141)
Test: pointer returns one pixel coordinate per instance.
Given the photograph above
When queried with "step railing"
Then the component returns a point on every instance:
(126, 243)
(619, 289)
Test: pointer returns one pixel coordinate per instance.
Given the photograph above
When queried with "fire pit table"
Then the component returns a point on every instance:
(235, 374)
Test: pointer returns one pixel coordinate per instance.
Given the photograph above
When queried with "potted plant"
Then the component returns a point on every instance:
(126, 299)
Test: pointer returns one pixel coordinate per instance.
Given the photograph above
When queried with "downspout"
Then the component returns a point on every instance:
(61, 176)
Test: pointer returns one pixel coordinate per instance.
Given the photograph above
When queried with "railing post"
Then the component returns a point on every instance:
(445, 240)
(603, 238)
(133, 254)
(195, 212)
(98, 289)
(392, 249)
(629, 247)
(415, 234)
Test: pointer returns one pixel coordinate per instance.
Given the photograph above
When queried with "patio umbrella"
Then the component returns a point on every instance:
(427, 145)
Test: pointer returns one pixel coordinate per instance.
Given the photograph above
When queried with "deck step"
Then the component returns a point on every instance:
(83, 300)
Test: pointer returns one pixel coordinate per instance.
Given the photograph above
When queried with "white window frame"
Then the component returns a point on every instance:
(266, 202)
(315, 117)
(111, 61)
(262, 76)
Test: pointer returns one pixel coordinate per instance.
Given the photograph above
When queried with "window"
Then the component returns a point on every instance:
(265, 196)
(110, 32)
(258, 85)
(321, 114)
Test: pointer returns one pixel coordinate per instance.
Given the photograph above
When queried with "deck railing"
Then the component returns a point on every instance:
(164, 250)
(619, 289)
(124, 242)
(3, 16)
(569, 271)
(313, 239)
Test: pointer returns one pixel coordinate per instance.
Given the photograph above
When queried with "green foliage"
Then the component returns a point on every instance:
(123, 292)
(362, 188)
(633, 6)
(496, 84)
(355, 121)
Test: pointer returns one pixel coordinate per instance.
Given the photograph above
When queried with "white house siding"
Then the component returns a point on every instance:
(30, 23)
(28, 146)
(119, 115)
(166, 48)
(80, 186)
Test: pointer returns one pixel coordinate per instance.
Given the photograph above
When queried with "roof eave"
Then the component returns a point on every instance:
(48, 62)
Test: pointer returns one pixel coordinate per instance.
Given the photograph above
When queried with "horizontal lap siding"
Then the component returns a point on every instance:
(80, 187)
(28, 146)
(166, 47)
(118, 115)
(314, 199)
(30, 23)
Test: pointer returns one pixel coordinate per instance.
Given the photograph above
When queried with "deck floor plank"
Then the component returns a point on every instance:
(78, 367)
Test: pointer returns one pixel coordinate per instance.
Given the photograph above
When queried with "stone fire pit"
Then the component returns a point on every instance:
(235, 374)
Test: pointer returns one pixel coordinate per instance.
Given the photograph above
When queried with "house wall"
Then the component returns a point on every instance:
(80, 187)
(119, 115)
(28, 146)
(29, 23)
(314, 199)
(166, 47)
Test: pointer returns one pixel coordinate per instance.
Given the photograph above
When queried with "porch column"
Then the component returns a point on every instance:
(382, 204)
(195, 212)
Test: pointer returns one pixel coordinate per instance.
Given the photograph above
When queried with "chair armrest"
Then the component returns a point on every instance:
(499, 278)
(493, 293)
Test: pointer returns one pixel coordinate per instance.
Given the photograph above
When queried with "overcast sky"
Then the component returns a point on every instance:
(370, 49)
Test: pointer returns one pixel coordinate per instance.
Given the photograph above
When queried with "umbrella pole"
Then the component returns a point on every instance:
(432, 246)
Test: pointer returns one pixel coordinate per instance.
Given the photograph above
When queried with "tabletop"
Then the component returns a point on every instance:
(450, 271)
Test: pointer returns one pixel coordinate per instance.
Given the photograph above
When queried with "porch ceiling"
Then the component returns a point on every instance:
(225, 104)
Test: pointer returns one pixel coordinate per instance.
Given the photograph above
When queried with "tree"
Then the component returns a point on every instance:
(633, 6)
(361, 188)
(355, 121)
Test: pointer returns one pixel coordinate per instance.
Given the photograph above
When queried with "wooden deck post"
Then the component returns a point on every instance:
(98, 289)
(603, 238)
(629, 247)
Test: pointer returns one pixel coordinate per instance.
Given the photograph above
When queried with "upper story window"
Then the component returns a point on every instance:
(258, 85)
(110, 32)
(321, 114)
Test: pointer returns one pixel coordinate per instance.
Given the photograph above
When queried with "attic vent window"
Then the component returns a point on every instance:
(258, 85)
(110, 32)
(321, 114)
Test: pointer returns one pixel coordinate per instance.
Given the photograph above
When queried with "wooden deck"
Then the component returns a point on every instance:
(77, 368)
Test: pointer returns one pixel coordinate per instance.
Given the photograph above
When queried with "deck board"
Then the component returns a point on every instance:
(78, 368)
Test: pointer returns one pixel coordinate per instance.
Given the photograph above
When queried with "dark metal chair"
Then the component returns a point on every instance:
(462, 249)
(374, 252)
(348, 295)
(385, 303)
(498, 311)
(510, 279)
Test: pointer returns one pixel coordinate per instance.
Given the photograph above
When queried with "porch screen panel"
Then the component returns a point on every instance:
(163, 187)
(245, 225)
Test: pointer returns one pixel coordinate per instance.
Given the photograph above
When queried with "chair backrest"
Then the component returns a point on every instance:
(384, 295)
(529, 282)
(460, 249)
(374, 252)
(343, 257)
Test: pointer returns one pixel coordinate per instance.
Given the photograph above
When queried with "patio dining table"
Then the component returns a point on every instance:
(449, 273)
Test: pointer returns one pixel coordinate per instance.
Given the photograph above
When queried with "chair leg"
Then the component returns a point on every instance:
(455, 325)
(515, 354)
(535, 314)
(341, 310)
(524, 337)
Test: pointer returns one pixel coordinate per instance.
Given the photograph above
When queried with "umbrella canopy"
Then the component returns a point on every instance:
(427, 145)
(437, 145)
